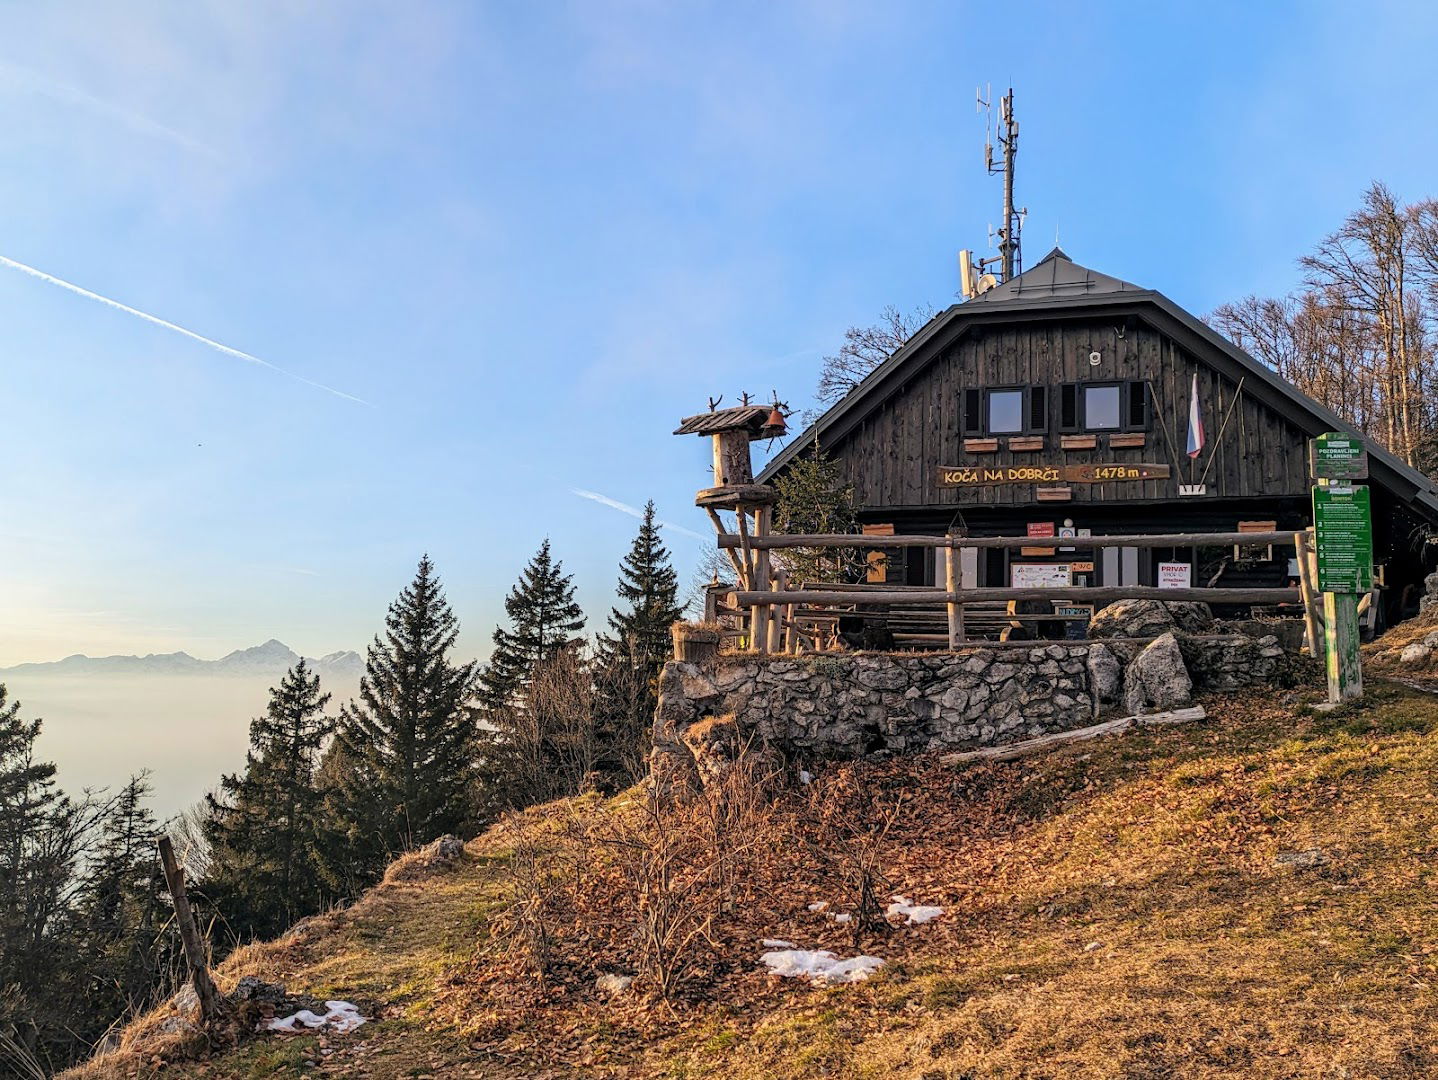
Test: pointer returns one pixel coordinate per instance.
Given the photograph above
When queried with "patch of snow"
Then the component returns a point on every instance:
(820, 966)
(776, 943)
(841, 917)
(819, 905)
(1092, 945)
(805, 776)
(341, 1017)
(916, 913)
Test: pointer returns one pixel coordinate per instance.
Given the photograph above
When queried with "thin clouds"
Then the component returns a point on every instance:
(36, 83)
(625, 508)
(62, 283)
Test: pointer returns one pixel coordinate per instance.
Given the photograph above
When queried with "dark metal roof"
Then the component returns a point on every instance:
(1055, 277)
(751, 416)
(1058, 283)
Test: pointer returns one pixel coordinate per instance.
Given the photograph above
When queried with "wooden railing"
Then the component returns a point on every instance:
(775, 614)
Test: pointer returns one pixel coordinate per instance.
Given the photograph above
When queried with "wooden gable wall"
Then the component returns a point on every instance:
(892, 456)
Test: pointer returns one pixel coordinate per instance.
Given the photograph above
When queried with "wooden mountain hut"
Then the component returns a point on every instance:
(1062, 403)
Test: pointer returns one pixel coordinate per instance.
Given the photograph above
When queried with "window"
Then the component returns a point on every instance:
(1108, 406)
(1101, 408)
(1005, 410)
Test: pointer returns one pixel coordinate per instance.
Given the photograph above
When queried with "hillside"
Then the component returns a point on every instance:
(1249, 896)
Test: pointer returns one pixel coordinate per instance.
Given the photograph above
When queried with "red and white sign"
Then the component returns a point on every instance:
(1041, 528)
(1175, 575)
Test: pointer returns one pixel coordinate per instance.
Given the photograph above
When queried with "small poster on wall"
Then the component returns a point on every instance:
(1040, 575)
(1175, 575)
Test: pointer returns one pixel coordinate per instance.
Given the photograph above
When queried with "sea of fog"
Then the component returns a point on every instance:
(185, 729)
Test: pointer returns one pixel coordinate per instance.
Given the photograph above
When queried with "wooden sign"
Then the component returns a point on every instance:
(962, 476)
(1335, 456)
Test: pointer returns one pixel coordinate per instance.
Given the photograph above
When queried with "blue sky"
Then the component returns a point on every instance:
(532, 236)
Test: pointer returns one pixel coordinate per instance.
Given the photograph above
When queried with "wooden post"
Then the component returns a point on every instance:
(759, 621)
(776, 616)
(189, 933)
(695, 644)
(1310, 595)
(1345, 672)
(951, 586)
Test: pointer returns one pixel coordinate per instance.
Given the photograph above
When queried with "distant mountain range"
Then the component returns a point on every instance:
(273, 658)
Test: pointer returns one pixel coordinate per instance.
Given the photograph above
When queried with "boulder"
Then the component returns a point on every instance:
(1131, 618)
(1157, 679)
(1105, 676)
(716, 744)
(1191, 616)
(1415, 653)
(1150, 618)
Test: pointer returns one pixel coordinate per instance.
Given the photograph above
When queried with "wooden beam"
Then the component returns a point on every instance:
(1073, 594)
(1051, 543)
(1063, 738)
(194, 945)
(1311, 601)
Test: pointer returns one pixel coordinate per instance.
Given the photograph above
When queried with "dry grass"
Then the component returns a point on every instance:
(1114, 910)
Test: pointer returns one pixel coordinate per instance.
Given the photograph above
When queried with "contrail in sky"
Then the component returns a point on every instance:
(53, 280)
(625, 508)
(52, 88)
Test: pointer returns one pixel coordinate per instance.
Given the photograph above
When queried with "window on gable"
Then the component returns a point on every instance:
(1104, 406)
(1101, 410)
(1006, 412)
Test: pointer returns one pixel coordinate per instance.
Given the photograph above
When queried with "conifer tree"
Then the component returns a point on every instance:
(42, 835)
(544, 619)
(121, 911)
(636, 647)
(524, 735)
(407, 746)
(263, 871)
(813, 498)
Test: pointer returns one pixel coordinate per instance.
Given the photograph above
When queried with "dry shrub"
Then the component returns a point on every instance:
(541, 888)
(845, 825)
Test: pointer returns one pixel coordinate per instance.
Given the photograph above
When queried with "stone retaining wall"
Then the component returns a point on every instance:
(848, 705)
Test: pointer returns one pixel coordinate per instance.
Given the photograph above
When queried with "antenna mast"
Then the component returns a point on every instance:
(1009, 261)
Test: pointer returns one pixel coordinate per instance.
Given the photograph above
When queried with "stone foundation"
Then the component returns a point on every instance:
(849, 705)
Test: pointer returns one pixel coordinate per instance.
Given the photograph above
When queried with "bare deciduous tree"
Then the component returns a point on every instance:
(865, 348)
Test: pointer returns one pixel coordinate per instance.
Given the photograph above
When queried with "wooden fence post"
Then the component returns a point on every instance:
(1310, 596)
(951, 585)
(189, 934)
(759, 622)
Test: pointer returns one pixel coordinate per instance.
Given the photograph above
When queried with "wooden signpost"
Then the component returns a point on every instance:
(1343, 539)
(962, 476)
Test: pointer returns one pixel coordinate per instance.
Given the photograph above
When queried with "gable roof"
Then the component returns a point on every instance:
(1057, 284)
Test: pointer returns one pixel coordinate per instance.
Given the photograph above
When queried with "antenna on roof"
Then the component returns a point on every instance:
(1006, 131)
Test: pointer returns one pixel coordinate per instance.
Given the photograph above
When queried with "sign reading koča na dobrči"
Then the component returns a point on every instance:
(984, 475)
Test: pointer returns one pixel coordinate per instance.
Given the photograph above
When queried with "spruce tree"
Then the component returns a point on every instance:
(544, 619)
(42, 835)
(636, 647)
(263, 871)
(121, 911)
(523, 735)
(407, 745)
(813, 498)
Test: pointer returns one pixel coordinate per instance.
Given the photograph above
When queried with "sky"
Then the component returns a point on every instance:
(451, 272)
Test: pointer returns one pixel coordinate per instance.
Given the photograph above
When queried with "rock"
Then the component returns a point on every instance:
(1105, 676)
(1131, 618)
(1191, 616)
(1157, 680)
(715, 743)
(612, 985)
(1415, 653)
(1431, 639)
(252, 988)
(185, 1001)
(1300, 860)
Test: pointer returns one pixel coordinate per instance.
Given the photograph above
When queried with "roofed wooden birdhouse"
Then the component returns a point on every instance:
(732, 430)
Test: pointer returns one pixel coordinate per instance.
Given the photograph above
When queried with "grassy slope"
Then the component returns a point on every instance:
(1114, 911)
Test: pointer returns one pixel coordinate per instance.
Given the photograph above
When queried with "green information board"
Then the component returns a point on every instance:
(1335, 456)
(1343, 529)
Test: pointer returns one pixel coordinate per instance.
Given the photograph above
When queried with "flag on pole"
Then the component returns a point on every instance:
(1196, 437)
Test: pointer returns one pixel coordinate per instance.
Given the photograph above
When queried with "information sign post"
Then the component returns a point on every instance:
(1343, 535)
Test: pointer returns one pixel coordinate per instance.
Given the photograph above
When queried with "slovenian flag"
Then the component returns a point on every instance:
(1195, 422)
